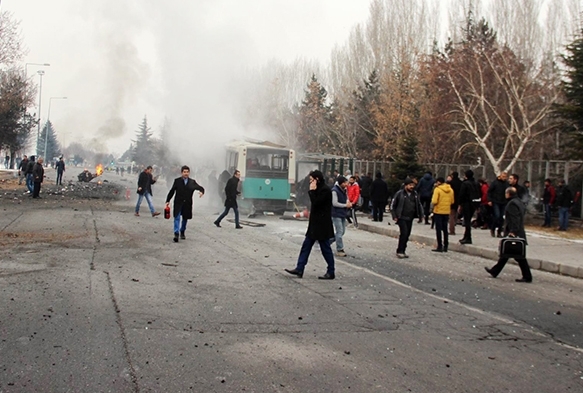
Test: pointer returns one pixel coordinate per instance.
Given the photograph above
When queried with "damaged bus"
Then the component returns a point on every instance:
(268, 174)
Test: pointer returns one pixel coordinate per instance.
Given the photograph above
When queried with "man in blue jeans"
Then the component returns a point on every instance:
(183, 187)
(145, 181)
(340, 208)
(564, 202)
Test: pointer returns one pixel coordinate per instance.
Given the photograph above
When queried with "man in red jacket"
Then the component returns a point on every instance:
(353, 190)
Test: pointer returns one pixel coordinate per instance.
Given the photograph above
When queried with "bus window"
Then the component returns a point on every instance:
(232, 159)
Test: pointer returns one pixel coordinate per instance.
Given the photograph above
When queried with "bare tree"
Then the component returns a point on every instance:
(11, 43)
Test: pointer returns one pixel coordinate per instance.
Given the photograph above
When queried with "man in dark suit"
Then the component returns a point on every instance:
(38, 174)
(320, 227)
(231, 192)
(513, 227)
(145, 181)
(184, 187)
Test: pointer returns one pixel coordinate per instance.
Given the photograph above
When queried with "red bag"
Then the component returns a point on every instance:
(167, 212)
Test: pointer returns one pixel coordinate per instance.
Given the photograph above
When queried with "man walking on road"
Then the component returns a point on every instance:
(231, 192)
(145, 181)
(60, 166)
(29, 177)
(38, 174)
(513, 227)
(404, 208)
(340, 208)
(183, 187)
(319, 227)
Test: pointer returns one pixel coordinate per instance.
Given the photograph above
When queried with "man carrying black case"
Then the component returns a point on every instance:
(513, 228)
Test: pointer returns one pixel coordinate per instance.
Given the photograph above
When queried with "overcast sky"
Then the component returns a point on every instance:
(118, 60)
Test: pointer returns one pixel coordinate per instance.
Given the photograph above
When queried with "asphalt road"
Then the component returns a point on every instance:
(94, 299)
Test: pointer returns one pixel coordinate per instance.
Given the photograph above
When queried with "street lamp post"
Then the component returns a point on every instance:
(47, 125)
(26, 88)
(40, 92)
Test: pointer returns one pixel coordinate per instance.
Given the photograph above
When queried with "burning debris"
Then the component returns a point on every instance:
(87, 176)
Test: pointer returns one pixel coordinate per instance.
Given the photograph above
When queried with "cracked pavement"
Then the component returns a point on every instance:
(95, 299)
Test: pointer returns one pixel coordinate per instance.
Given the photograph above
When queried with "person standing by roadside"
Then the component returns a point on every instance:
(513, 227)
(564, 202)
(442, 200)
(231, 192)
(29, 177)
(379, 195)
(319, 227)
(470, 198)
(456, 185)
(60, 166)
(353, 191)
(145, 181)
(549, 196)
(365, 184)
(340, 208)
(38, 174)
(22, 169)
(183, 187)
(513, 182)
(425, 190)
(404, 208)
(497, 199)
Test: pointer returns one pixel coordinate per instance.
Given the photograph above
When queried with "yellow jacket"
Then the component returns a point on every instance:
(442, 199)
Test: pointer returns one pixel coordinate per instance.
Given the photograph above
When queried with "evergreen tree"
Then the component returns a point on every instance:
(52, 145)
(143, 152)
(364, 99)
(315, 119)
(406, 163)
(571, 111)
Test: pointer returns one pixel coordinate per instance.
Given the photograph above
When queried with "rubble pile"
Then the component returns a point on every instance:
(71, 191)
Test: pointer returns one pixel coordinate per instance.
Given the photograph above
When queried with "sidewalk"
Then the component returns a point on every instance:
(544, 252)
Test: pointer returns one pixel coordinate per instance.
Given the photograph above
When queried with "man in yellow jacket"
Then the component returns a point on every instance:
(443, 198)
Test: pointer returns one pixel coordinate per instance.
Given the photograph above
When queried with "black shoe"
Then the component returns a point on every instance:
(175, 237)
(239, 227)
(499, 234)
(295, 272)
(327, 276)
(444, 249)
(492, 233)
(182, 235)
(437, 250)
(217, 224)
(523, 280)
(465, 241)
(490, 271)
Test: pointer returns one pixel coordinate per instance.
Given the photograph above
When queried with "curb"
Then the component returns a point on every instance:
(536, 264)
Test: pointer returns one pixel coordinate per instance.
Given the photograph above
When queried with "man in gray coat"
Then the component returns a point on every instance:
(513, 227)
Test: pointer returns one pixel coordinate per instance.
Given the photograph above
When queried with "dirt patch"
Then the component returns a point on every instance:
(11, 238)
(574, 232)
(11, 190)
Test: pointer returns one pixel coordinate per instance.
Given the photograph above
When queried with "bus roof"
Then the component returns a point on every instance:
(257, 145)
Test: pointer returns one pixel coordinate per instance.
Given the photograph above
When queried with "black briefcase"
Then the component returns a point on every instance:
(512, 247)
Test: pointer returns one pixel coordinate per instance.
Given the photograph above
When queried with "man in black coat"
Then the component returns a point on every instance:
(38, 174)
(456, 186)
(29, 177)
(231, 193)
(425, 191)
(365, 184)
(184, 187)
(469, 199)
(513, 227)
(379, 195)
(60, 167)
(145, 181)
(564, 201)
(320, 227)
(497, 199)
